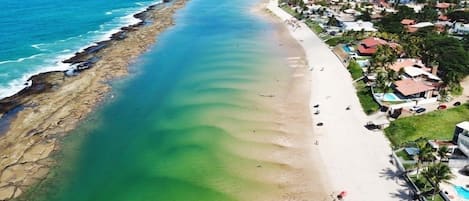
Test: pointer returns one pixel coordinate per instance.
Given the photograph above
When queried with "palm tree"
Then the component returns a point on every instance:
(424, 154)
(384, 56)
(436, 174)
(442, 151)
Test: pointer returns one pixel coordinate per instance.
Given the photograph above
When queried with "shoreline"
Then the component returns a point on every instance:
(312, 184)
(81, 60)
(356, 159)
(55, 103)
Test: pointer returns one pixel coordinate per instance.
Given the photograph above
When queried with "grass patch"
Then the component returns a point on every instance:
(423, 184)
(434, 125)
(366, 98)
(409, 166)
(404, 155)
(334, 41)
(314, 26)
(355, 70)
(290, 11)
(340, 39)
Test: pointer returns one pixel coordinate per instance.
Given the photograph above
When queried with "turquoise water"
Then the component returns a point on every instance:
(462, 192)
(179, 127)
(346, 49)
(36, 35)
(390, 97)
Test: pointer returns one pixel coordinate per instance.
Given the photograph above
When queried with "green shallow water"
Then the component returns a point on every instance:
(173, 129)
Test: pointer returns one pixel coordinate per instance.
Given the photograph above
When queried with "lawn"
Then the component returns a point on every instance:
(423, 184)
(340, 39)
(314, 26)
(404, 155)
(355, 70)
(434, 125)
(290, 11)
(366, 98)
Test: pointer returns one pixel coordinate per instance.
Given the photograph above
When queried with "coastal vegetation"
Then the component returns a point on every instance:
(433, 125)
(366, 98)
(355, 70)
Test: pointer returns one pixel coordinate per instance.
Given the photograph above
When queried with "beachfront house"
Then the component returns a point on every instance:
(413, 89)
(461, 137)
(358, 26)
(369, 46)
(417, 81)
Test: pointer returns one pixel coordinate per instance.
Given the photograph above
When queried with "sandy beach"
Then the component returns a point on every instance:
(56, 103)
(356, 160)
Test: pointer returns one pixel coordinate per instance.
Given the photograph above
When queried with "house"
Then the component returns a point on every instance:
(370, 45)
(407, 22)
(461, 137)
(410, 88)
(415, 27)
(358, 26)
(408, 62)
(442, 6)
(417, 80)
(420, 74)
(460, 28)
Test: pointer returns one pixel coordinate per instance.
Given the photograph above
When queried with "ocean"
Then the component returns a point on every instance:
(190, 123)
(35, 36)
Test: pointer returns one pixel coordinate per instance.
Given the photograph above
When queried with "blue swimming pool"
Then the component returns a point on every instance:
(462, 192)
(346, 49)
(390, 97)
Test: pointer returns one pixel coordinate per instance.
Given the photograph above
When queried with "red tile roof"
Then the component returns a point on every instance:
(402, 63)
(407, 22)
(442, 5)
(373, 42)
(409, 87)
(366, 51)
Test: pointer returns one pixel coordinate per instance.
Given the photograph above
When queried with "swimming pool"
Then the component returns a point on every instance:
(363, 63)
(390, 97)
(347, 49)
(462, 192)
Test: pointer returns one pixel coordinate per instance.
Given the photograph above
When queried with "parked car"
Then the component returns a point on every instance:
(442, 107)
(415, 108)
(420, 110)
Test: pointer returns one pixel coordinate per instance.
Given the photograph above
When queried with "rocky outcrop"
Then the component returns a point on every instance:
(55, 103)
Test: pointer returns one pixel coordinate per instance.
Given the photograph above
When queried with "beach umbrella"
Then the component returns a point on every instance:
(343, 194)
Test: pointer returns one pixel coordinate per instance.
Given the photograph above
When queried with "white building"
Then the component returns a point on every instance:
(460, 28)
(358, 26)
(461, 137)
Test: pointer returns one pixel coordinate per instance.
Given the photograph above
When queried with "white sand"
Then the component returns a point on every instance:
(357, 160)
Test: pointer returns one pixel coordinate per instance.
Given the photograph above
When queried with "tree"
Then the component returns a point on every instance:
(366, 16)
(459, 16)
(442, 151)
(427, 14)
(384, 56)
(424, 154)
(412, 46)
(449, 52)
(333, 21)
(436, 174)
